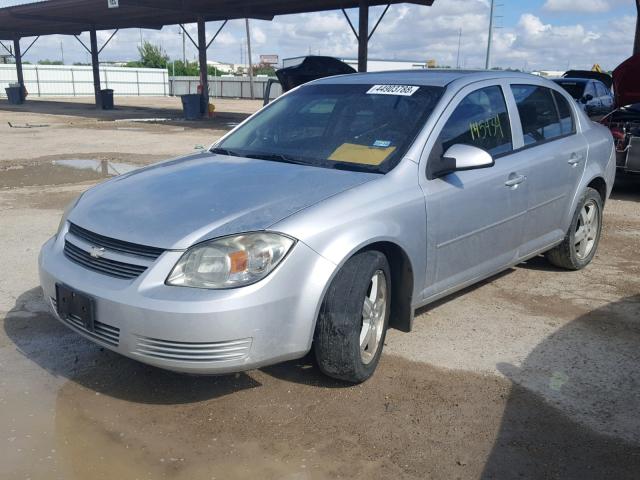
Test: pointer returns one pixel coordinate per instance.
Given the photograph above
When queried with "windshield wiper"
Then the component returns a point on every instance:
(276, 157)
(224, 151)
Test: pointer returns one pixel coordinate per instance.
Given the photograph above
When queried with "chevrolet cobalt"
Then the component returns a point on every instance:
(329, 216)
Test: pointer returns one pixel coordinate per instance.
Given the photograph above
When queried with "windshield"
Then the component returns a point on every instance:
(575, 89)
(354, 127)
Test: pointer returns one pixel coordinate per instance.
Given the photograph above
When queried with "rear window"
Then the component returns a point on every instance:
(575, 89)
(538, 114)
(357, 127)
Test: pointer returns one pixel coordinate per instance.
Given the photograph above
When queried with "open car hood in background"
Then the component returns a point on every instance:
(626, 82)
(311, 68)
(603, 77)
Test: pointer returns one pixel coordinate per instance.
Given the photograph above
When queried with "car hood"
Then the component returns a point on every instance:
(174, 204)
(626, 82)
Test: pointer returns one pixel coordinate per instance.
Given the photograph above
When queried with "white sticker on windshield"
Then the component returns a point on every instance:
(404, 90)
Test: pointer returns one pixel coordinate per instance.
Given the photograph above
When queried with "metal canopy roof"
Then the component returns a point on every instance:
(76, 16)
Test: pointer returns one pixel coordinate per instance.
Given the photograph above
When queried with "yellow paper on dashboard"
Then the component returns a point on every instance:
(362, 154)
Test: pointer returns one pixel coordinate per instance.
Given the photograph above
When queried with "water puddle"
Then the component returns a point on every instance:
(61, 172)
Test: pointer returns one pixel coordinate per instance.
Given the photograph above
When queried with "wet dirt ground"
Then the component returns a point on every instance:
(534, 373)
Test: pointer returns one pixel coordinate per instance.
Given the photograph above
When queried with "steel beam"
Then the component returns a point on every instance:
(202, 58)
(18, 56)
(363, 35)
(95, 64)
(250, 62)
(636, 43)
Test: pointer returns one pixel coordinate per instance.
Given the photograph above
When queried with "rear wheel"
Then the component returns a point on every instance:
(353, 319)
(581, 242)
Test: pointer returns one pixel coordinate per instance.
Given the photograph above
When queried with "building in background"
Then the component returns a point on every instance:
(223, 67)
(373, 65)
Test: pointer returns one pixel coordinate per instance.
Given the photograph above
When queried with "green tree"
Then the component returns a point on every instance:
(151, 56)
(46, 61)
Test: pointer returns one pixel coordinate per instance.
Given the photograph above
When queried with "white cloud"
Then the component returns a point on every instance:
(591, 6)
(583, 6)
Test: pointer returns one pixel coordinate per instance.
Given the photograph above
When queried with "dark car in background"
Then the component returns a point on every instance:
(624, 121)
(593, 95)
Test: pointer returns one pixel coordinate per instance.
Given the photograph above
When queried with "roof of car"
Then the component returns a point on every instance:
(436, 78)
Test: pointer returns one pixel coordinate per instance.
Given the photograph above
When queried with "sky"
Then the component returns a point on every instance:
(531, 35)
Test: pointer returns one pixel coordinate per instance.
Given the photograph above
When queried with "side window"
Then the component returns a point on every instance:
(538, 114)
(567, 122)
(480, 120)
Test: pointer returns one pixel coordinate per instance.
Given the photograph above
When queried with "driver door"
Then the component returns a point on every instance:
(475, 218)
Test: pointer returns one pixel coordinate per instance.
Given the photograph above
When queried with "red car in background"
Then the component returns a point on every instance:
(624, 122)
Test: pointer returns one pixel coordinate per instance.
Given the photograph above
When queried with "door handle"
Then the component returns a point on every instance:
(515, 181)
(575, 159)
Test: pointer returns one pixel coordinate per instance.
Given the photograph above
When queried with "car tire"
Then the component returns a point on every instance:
(353, 318)
(581, 242)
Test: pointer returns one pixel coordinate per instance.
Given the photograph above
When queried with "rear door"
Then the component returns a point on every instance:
(556, 155)
(475, 218)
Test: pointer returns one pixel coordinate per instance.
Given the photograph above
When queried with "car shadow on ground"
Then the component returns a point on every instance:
(175, 116)
(626, 187)
(574, 407)
(571, 410)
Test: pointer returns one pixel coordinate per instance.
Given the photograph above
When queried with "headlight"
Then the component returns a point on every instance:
(230, 261)
(66, 213)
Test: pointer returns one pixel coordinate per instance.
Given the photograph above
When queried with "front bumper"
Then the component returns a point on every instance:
(196, 330)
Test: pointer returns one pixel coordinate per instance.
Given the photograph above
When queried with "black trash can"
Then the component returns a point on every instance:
(106, 98)
(191, 106)
(14, 95)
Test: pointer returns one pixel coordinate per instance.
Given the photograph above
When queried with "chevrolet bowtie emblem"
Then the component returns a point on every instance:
(97, 252)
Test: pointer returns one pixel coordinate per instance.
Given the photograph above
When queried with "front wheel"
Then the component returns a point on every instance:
(353, 319)
(581, 242)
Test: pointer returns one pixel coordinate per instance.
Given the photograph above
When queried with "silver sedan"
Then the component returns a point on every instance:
(329, 216)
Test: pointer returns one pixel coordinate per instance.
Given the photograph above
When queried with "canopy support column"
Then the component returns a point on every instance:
(202, 59)
(95, 64)
(17, 54)
(636, 43)
(363, 36)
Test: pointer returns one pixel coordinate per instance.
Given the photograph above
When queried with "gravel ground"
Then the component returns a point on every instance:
(531, 374)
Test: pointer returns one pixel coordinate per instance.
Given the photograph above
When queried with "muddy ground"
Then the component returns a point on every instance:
(534, 373)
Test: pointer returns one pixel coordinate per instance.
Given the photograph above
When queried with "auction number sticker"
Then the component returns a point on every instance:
(403, 90)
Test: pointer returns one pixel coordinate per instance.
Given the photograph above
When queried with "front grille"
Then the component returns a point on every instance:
(102, 265)
(115, 245)
(102, 332)
(193, 352)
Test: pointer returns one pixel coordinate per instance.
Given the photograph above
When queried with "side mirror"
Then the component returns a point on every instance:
(463, 157)
(587, 98)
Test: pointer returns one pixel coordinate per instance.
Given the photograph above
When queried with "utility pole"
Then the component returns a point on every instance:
(459, 44)
(250, 63)
(184, 49)
(487, 64)
(62, 52)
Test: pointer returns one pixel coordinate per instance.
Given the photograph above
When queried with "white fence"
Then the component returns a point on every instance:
(67, 80)
(71, 81)
(224, 87)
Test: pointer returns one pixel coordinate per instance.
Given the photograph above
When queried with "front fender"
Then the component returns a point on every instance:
(389, 209)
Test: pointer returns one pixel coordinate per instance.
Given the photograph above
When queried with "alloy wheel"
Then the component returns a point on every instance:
(587, 230)
(374, 312)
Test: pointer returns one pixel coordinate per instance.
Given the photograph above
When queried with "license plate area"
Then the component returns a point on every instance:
(73, 305)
